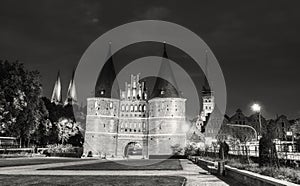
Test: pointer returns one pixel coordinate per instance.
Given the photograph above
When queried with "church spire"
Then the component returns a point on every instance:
(106, 78)
(56, 94)
(71, 94)
(206, 88)
(166, 86)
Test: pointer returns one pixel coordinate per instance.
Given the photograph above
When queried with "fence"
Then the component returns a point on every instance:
(285, 150)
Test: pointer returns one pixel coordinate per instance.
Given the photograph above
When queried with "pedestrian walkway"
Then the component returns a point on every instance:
(195, 175)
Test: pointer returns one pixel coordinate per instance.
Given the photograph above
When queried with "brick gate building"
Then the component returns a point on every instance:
(135, 124)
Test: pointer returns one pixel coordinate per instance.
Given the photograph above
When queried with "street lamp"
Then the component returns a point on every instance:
(257, 108)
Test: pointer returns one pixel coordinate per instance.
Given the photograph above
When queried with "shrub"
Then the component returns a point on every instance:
(287, 174)
(190, 149)
(61, 148)
(176, 149)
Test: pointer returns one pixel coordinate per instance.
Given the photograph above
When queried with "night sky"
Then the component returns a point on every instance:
(256, 42)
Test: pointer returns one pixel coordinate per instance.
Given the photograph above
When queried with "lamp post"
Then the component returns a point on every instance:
(257, 108)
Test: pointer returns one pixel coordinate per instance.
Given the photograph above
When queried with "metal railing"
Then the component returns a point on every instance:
(253, 151)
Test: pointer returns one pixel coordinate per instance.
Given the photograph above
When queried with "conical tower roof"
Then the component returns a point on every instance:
(56, 94)
(165, 87)
(106, 79)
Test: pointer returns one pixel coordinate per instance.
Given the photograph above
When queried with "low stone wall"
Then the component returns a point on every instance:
(246, 177)
(251, 178)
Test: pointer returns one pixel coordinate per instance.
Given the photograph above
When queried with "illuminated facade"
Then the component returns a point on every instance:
(136, 124)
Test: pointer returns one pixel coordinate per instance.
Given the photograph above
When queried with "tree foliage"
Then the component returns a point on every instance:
(267, 149)
(22, 112)
(69, 132)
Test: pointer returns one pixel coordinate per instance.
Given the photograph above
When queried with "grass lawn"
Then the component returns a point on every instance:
(34, 161)
(92, 180)
(171, 164)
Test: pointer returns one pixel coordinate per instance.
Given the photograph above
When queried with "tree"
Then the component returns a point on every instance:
(244, 135)
(21, 109)
(267, 149)
(69, 132)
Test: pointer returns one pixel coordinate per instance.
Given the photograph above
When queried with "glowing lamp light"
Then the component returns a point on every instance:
(256, 107)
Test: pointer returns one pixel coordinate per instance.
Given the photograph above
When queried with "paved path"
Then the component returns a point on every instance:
(195, 175)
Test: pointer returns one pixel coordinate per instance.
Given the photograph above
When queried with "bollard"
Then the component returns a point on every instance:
(221, 168)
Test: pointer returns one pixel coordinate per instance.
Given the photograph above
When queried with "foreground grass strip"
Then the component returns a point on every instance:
(125, 165)
(34, 161)
(92, 180)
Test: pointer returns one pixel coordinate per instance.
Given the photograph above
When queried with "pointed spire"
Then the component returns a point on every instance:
(56, 94)
(206, 88)
(166, 87)
(165, 55)
(71, 94)
(106, 78)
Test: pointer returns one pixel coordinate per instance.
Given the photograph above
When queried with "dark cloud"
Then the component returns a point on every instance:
(155, 13)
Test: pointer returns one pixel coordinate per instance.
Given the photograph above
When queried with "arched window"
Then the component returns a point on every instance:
(136, 108)
(123, 108)
(127, 108)
(144, 108)
(131, 108)
(140, 108)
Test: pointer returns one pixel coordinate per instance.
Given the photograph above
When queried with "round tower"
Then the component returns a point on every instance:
(102, 115)
(166, 113)
(101, 126)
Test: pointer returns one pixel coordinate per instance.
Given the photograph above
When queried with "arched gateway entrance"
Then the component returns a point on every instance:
(133, 150)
